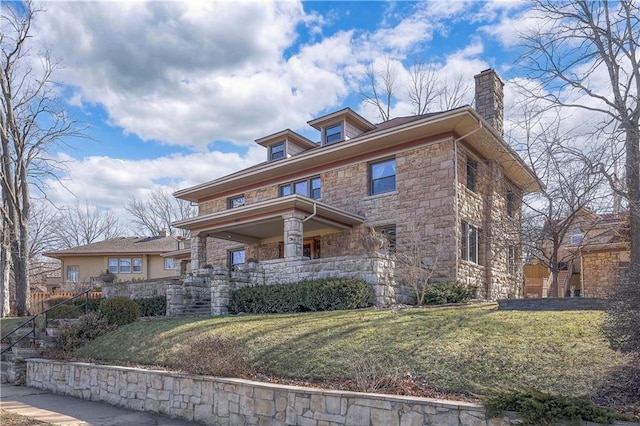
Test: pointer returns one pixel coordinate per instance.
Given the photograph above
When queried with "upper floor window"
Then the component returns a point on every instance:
(311, 188)
(333, 134)
(382, 176)
(236, 259)
(276, 152)
(511, 260)
(73, 273)
(576, 236)
(472, 174)
(236, 201)
(469, 243)
(511, 203)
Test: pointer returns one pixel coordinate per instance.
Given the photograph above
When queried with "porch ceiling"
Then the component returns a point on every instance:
(261, 221)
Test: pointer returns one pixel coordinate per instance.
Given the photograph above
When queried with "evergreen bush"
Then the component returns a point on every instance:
(152, 306)
(441, 293)
(119, 310)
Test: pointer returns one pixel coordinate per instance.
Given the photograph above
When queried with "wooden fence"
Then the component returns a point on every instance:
(39, 300)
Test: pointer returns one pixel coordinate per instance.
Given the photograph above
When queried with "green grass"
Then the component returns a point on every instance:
(8, 324)
(456, 349)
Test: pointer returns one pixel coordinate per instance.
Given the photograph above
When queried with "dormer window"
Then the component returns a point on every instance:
(276, 152)
(576, 236)
(333, 134)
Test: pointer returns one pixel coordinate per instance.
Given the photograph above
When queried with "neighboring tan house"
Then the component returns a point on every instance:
(129, 258)
(595, 253)
(444, 186)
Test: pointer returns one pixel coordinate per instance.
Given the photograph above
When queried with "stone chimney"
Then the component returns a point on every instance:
(490, 98)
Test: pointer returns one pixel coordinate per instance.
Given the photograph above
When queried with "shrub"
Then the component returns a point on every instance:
(93, 303)
(317, 295)
(67, 311)
(215, 355)
(540, 408)
(119, 310)
(72, 335)
(441, 293)
(152, 306)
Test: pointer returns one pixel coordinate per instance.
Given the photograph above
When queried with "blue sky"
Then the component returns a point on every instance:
(175, 93)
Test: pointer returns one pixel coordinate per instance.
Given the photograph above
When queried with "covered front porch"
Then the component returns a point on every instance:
(293, 225)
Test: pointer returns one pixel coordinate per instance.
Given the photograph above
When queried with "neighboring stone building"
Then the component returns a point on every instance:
(594, 254)
(443, 187)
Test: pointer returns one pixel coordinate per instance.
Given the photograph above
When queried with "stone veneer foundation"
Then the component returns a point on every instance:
(219, 401)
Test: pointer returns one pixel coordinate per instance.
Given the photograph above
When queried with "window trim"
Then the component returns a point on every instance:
(236, 266)
(283, 144)
(119, 263)
(472, 178)
(390, 233)
(230, 201)
(173, 261)
(77, 272)
(309, 187)
(470, 234)
(372, 180)
(511, 202)
(511, 259)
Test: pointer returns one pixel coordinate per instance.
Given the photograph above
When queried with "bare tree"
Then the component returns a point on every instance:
(43, 225)
(567, 185)
(159, 212)
(84, 224)
(423, 87)
(31, 121)
(381, 88)
(453, 92)
(577, 45)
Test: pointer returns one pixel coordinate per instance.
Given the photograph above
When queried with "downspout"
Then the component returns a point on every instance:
(315, 212)
(456, 200)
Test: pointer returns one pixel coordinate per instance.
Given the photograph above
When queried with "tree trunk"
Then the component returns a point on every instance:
(5, 265)
(632, 168)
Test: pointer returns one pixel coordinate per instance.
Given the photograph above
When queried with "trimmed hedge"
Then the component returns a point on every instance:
(441, 293)
(304, 296)
(152, 306)
(119, 310)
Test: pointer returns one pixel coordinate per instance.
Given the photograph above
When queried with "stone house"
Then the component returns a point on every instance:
(443, 187)
(594, 254)
(129, 258)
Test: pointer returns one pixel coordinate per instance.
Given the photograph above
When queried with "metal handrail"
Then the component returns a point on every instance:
(33, 331)
(46, 319)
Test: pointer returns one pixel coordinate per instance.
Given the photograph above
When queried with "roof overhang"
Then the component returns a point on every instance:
(178, 254)
(618, 246)
(286, 134)
(262, 221)
(464, 124)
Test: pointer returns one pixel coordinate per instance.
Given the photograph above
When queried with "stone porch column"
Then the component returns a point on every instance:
(293, 235)
(198, 252)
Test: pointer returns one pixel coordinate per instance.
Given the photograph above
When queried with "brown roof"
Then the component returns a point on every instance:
(123, 245)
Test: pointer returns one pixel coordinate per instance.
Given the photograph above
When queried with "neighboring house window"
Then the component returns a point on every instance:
(276, 152)
(382, 176)
(311, 187)
(511, 260)
(73, 273)
(136, 263)
(236, 259)
(469, 243)
(237, 201)
(169, 263)
(511, 203)
(125, 266)
(472, 174)
(576, 236)
(113, 266)
(388, 232)
(333, 134)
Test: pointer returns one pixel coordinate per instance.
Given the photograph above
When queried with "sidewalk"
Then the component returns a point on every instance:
(69, 411)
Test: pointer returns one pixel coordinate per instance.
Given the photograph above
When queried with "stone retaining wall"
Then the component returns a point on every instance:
(218, 401)
(137, 289)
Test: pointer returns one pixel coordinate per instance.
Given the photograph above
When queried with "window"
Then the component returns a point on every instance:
(469, 243)
(382, 176)
(576, 236)
(113, 266)
(511, 203)
(236, 260)
(472, 174)
(125, 266)
(511, 260)
(169, 263)
(237, 201)
(73, 273)
(309, 188)
(276, 152)
(333, 134)
(389, 233)
(136, 263)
